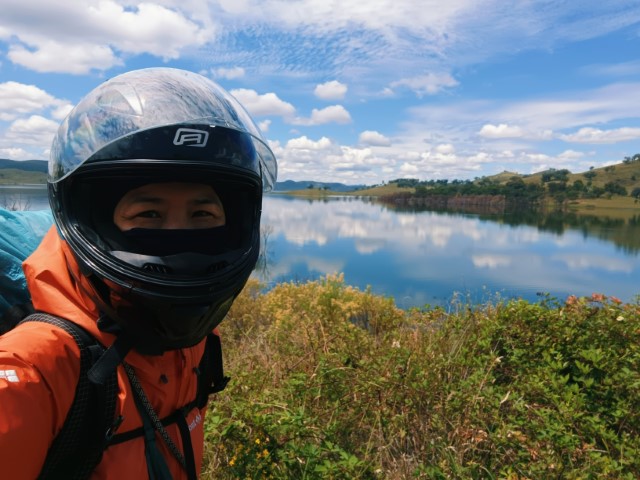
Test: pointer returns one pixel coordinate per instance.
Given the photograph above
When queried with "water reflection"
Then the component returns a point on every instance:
(24, 197)
(421, 257)
(622, 231)
(426, 257)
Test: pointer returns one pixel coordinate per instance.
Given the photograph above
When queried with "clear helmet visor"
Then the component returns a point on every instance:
(146, 99)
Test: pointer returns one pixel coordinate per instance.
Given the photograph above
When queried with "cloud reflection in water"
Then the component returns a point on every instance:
(427, 257)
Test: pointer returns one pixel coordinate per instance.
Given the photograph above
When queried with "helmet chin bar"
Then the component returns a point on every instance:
(154, 327)
(153, 322)
(159, 327)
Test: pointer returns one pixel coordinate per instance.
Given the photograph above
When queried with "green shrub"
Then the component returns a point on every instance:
(333, 382)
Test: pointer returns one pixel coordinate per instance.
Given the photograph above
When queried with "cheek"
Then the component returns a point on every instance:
(119, 221)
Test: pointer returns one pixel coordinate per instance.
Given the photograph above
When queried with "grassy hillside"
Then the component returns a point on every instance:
(626, 174)
(309, 193)
(388, 189)
(13, 176)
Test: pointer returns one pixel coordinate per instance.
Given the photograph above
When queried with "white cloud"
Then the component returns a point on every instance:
(428, 84)
(59, 57)
(303, 158)
(522, 121)
(35, 130)
(304, 143)
(373, 138)
(351, 160)
(332, 90)
(584, 107)
(500, 131)
(445, 149)
(72, 37)
(18, 99)
(570, 155)
(463, 122)
(264, 125)
(267, 104)
(149, 28)
(15, 154)
(228, 73)
(409, 168)
(595, 135)
(332, 114)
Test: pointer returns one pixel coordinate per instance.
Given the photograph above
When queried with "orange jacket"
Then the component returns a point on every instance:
(39, 369)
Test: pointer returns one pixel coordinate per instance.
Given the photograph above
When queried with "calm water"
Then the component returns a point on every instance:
(24, 197)
(428, 258)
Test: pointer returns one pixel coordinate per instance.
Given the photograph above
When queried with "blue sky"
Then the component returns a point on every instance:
(352, 91)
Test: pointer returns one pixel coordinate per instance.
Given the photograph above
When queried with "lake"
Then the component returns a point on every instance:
(423, 257)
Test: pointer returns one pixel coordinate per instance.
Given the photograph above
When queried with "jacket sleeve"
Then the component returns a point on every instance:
(39, 369)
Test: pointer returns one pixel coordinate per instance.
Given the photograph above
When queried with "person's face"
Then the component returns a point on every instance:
(175, 205)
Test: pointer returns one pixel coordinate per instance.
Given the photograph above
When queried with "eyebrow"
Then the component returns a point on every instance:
(142, 198)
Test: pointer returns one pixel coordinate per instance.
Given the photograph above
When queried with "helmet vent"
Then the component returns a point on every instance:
(156, 268)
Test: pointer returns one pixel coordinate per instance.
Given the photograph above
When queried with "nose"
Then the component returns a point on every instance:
(176, 220)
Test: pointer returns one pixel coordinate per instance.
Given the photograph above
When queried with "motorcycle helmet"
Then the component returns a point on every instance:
(148, 126)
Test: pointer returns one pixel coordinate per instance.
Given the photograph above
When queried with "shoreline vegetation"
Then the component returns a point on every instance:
(329, 381)
(615, 206)
(612, 191)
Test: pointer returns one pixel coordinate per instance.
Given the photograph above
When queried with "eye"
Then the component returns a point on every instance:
(209, 210)
(147, 214)
(203, 213)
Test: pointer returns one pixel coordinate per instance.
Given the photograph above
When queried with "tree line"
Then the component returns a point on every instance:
(553, 183)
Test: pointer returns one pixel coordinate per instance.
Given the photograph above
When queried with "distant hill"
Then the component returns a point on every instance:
(27, 165)
(291, 185)
(25, 172)
(626, 174)
(502, 177)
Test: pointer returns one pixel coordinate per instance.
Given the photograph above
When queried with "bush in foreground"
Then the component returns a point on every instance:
(333, 382)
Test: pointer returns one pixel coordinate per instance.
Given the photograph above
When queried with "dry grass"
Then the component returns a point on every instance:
(616, 207)
(388, 189)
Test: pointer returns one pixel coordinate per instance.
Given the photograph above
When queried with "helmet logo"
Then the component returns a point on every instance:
(191, 137)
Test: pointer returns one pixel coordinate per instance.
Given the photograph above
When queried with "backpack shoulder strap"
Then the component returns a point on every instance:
(211, 377)
(79, 446)
(13, 315)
